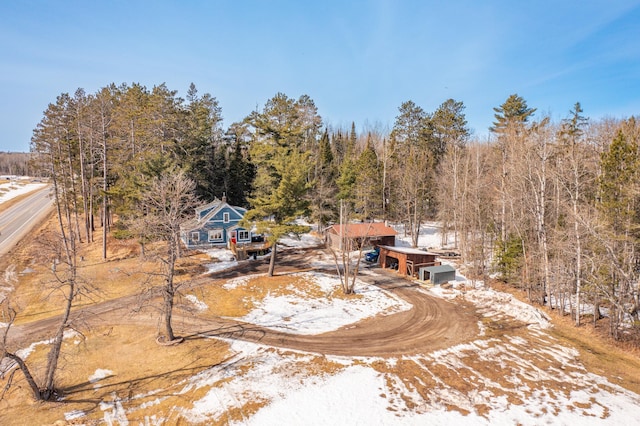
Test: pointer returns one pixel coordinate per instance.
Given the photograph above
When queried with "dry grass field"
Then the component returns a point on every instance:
(117, 369)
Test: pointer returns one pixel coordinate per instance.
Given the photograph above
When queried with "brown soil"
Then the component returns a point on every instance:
(429, 325)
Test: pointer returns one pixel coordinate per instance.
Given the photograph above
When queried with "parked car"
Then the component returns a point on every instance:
(373, 255)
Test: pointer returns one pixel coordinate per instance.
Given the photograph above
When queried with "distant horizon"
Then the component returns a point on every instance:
(357, 61)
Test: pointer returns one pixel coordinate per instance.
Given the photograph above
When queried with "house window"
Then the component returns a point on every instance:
(195, 236)
(225, 217)
(215, 235)
(243, 235)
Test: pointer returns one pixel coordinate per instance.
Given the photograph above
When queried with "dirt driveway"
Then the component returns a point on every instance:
(431, 324)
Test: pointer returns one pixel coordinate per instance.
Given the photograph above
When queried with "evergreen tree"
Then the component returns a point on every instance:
(449, 126)
(513, 111)
(275, 211)
(347, 181)
(324, 189)
(219, 177)
(414, 167)
(619, 207)
(511, 118)
(199, 140)
(368, 197)
(618, 184)
(282, 168)
(241, 173)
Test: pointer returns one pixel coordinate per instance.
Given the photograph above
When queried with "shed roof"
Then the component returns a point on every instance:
(407, 250)
(439, 269)
(361, 230)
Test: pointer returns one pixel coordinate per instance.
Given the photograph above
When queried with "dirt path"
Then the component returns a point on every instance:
(431, 324)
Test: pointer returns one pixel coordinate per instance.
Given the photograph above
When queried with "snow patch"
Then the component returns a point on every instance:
(490, 301)
(318, 315)
(25, 352)
(73, 415)
(98, 375)
(223, 259)
(11, 190)
(114, 412)
(200, 305)
(304, 241)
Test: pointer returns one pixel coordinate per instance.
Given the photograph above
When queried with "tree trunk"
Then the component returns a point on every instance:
(272, 260)
(27, 374)
(105, 187)
(578, 255)
(169, 289)
(104, 204)
(168, 310)
(69, 244)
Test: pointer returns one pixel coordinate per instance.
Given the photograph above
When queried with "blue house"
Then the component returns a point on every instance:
(215, 225)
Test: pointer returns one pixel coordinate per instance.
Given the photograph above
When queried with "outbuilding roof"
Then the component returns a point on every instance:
(439, 269)
(364, 230)
(407, 250)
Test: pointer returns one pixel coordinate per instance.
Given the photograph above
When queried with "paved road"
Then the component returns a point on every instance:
(16, 221)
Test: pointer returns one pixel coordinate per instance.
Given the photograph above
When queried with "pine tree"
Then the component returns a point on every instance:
(619, 208)
(511, 118)
(449, 127)
(281, 131)
(618, 183)
(513, 111)
(414, 166)
(450, 134)
(241, 173)
(324, 188)
(199, 139)
(275, 211)
(368, 198)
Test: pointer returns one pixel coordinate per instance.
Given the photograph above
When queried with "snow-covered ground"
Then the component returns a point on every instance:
(320, 315)
(360, 392)
(17, 187)
(453, 386)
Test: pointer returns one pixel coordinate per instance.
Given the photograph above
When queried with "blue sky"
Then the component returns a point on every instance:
(358, 60)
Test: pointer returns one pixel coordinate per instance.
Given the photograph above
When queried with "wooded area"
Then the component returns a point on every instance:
(15, 164)
(552, 207)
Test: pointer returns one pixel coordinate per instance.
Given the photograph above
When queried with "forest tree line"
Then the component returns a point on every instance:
(551, 206)
(15, 164)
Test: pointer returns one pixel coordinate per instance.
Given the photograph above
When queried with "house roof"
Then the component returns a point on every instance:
(215, 206)
(361, 230)
(204, 207)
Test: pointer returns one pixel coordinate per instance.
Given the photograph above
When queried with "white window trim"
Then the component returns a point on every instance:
(246, 235)
(217, 232)
(225, 217)
(195, 236)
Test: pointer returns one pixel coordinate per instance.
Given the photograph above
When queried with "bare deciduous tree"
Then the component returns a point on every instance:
(168, 201)
(347, 270)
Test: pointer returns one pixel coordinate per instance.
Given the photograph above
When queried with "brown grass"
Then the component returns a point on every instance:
(38, 295)
(149, 380)
(240, 300)
(142, 372)
(619, 362)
